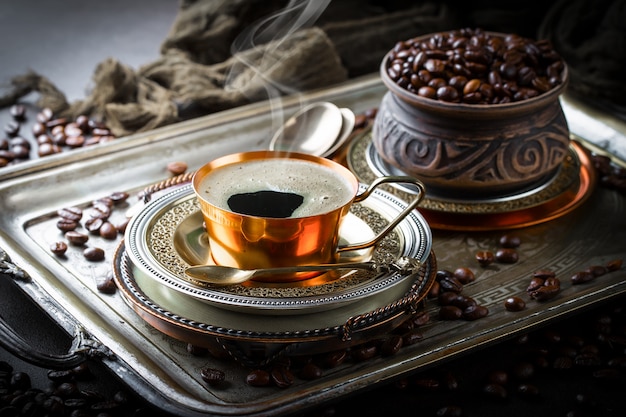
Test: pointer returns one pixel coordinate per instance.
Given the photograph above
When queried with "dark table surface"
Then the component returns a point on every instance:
(574, 367)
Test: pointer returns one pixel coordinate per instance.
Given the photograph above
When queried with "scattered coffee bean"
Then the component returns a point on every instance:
(450, 284)
(93, 225)
(310, 371)
(495, 391)
(614, 265)
(108, 231)
(12, 128)
(106, 284)
(507, 256)
(119, 197)
(475, 312)
(281, 376)
(364, 352)
(509, 241)
(485, 257)
(450, 312)
(66, 225)
(450, 411)
(18, 112)
(391, 345)
(582, 277)
(177, 168)
(58, 248)
(464, 275)
(597, 270)
(212, 376)
(76, 238)
(93, 254)
(514, 304)
(71, 213)
(545, 292)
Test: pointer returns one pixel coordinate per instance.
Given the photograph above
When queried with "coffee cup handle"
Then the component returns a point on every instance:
(408, 209)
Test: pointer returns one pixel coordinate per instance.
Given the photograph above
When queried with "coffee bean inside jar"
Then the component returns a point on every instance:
(475, 67)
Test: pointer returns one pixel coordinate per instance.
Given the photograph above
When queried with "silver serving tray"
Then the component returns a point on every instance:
(159, 367)
(167, 236)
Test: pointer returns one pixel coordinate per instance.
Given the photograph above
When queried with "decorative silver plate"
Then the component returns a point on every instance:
(167, 236)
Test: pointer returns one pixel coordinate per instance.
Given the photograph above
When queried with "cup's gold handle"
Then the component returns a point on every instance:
(412, 205)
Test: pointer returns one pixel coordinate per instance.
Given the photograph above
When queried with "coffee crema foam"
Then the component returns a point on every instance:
(322, 188)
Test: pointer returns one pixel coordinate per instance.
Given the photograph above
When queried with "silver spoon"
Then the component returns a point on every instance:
(226, 275)
(312, 130)
(346, 129)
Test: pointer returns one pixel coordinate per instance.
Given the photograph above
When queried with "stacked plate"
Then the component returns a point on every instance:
(263, 319)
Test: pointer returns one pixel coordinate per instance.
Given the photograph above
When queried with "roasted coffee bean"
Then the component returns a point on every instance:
(364, 352)
(434, 290)
(461, 301)
(20, 151)
(66, 225)
(528, 391)
(334, 359)
(509, 241)
(177, 168)
(450, 312)
(93, 225)
(48, 149)
(75, 141)
(582, 277)
(71, 213)
(544, 273)
(614, 265)
(281, 376)
(447, 298)
(484, 257)
(310, 371)
(45, 115)
(507, 256)
(108, 231)
(495, 391)
(464, 275)
(18, 112)
(524, 370)
(12, 128)
(421, 318)
(212, 376)
(475, 312)
(58, 248)
(56, 123)
(121, 226)
(76, 238)
(105, 284)
(391, 345)
(412, 337)
(514, 304)
(119, 197)
(597, 270)
(545, 292)
(93, 254)
(38, 129)
(427, 384)
(451, 284)
(61, 375)
(72, 129)
(498, 377)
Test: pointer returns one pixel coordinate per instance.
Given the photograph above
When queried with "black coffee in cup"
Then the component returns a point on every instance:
(277, 188)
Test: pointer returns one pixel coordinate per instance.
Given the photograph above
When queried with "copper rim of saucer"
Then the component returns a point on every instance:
(558, 196)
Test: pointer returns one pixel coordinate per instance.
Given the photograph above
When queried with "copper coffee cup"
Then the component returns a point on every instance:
(252, 241)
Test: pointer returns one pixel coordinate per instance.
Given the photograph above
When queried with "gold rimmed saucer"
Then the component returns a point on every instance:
(167, 236)
(553, 198)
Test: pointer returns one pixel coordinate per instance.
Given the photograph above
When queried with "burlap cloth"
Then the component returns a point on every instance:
(211, 60)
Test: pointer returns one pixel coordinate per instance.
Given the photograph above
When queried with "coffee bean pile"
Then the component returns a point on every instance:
(474, 67)
(64, 397)
(72, 221)
(50, 135)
